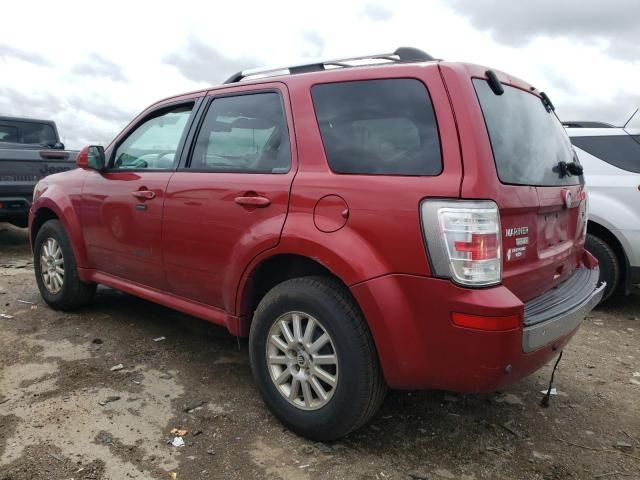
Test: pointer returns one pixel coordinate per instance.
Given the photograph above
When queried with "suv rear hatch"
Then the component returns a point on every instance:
(536, 186)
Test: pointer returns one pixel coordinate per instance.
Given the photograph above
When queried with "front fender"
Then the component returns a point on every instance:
(63, 198)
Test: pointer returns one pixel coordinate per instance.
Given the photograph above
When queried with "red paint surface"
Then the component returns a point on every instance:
(420, 347)
(330, 213)
(195, 246)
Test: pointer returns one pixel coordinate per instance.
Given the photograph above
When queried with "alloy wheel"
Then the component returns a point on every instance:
(52, 265)
(302, 360)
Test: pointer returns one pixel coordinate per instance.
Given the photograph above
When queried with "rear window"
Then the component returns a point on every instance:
(622, 151)
(27, 132)
(528, 142)
(378, 127)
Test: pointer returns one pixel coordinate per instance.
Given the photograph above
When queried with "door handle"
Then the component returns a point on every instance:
(253, 201)
(144, 195)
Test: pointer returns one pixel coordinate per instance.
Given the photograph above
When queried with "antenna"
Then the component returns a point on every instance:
(630, 118)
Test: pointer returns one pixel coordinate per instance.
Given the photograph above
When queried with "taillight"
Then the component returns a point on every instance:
(482, 246)
(463, 240)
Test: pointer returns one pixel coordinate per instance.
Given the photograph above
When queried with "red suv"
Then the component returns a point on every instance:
(390, 220)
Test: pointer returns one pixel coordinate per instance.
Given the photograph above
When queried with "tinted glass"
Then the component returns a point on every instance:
(247, 133)
(8, 133)
(154, 143)
(528, 141)
(27, 132)
(380, 127)
(622, 151)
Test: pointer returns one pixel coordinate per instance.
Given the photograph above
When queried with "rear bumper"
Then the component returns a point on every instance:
(560, 311)
(14, 208)
(420, 347)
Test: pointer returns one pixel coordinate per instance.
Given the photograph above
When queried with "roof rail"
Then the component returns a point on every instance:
(586, 124)
(402, 54)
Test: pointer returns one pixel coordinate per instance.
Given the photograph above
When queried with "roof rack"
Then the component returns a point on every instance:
(401, 55)
(586, 124)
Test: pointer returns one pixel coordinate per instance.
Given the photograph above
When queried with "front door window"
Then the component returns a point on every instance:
(154, 143)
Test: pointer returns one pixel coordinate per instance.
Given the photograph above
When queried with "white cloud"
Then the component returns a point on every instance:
(92, 69)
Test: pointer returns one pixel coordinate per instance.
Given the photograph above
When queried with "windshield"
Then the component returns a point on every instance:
(17, 131)
(528, 141)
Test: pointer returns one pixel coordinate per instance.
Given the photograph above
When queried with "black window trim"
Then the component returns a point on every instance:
(395, 175)
(185, 166)
(197, 103)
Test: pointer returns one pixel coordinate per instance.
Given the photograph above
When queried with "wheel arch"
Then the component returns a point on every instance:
(42, 216)
(46, 209)
(607, 236)
(272, 270)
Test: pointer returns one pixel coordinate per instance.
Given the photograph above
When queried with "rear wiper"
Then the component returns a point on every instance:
(568, 168)
(546, 101)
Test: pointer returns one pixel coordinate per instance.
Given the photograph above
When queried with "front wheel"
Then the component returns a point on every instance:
(314, 360)
(56, 270)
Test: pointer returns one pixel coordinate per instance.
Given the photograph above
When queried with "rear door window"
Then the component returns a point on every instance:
(244, 134)
(528, 141)
(622, 151)
(378, 127)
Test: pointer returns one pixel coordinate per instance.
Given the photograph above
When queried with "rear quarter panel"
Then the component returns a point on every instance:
(614, 195)
(383, 231)
(21, 168)
(520, 205)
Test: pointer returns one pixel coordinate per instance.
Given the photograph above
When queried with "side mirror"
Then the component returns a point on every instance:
(91, 157)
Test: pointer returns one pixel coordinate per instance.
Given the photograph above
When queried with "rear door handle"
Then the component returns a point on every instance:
(253, 201)
(144, 195)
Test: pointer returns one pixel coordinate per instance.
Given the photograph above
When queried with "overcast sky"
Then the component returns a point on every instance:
(92, 69)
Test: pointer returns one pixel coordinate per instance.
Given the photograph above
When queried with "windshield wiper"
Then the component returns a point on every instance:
(546, 101)
(568, 168)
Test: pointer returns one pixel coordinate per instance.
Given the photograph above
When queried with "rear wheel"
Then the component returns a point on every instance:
(314, 360)
(56, 270)
(608, 262)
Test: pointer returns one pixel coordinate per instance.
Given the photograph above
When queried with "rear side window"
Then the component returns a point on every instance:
(378, 127)
(27, 132)
(244, 134)
(8, 133)
(528, 142)
(622, 151)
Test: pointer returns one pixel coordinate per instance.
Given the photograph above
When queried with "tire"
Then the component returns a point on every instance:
(359, 387)
(71, 292)
(608, 262)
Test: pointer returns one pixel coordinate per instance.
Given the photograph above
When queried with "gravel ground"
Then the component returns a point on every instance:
(65, 414)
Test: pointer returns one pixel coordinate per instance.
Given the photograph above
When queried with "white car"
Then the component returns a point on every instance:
(611, 160)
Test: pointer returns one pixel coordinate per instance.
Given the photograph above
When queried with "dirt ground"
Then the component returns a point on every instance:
(64, 414)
